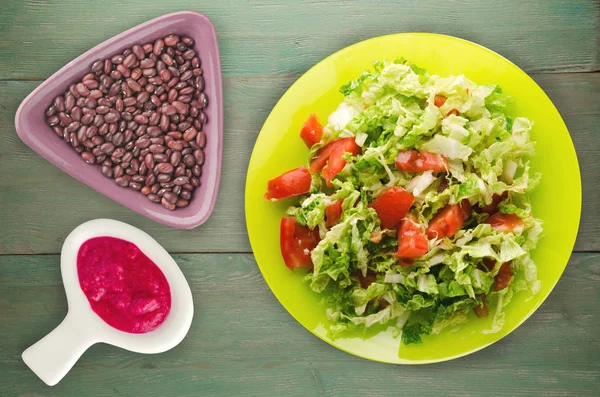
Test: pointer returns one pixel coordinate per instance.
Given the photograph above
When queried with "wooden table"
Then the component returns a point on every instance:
(242, 341)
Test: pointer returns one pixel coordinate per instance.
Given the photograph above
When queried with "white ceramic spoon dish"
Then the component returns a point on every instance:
(55, 354)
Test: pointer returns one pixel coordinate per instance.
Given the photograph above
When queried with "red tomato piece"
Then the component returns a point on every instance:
(312, 131)
(465, 208)
(292, 183)
(482, 310)
(449, 220)
(506, 222)
(439, 100)
(412, 242)
(329, 158)
(296, 243)
(454, 112)
(392, 205)
(413, 161)
(333, 213)
(493, 206)
(503, 277)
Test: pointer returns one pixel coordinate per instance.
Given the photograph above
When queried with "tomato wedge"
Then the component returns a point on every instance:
(449, 220)
(503, 277)
(439, 100)
(482, 310)
(392, 205)
(413, 161)
(329, 158)
(493, 206)
(506, 222)
(454, 112)
(291, 183)
(312, 131)
(296, 243)
(333, 213)
(412, 242)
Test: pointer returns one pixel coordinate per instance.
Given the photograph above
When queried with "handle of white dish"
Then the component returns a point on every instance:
(56, 353)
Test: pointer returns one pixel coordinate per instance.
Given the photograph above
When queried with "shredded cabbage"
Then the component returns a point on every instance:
(394, 107)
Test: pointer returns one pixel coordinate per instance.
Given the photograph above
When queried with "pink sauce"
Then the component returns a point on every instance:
(124, 287)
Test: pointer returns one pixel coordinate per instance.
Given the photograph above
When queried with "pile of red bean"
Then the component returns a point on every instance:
(139, 115)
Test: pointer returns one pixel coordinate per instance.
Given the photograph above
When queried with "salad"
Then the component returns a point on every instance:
(412, 209)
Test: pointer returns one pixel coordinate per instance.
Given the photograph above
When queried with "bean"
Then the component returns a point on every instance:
(181, 180)
(123, 181)
(201, 139)
(170, 197)
(182, 203)
(190, 133)
(166, 58)
(107, 171)
(120, 71)
(172, 95)
(118, 171)
(146, 190)
(153, 197)
(169, 110)
(189, 54)
(185, 194)
(111, 117)
(164, 168)
(135, 185)
(129, 60)
(175, 145)
(175, 158)
(135, 164)
(97, 66)
(140, 119)
(165, 75)
(199, 156)
(188, 41)
(171, 40)
(180, 107)
(91, 131)
(161, 157)
(175, 134)
(158, 47)
(186, 75)
(149, 161)
(163, 177)
(168, 205)
(88, 157)
(150, 180)
(138, 51)
(189, 160)
(97, 140)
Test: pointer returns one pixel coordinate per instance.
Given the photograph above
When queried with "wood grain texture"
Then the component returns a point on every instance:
(285, 38)
(243, 343)
(41, 204)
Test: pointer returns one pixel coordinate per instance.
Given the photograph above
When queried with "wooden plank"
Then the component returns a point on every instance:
(271, 37)
(41, 204)
(243, 343)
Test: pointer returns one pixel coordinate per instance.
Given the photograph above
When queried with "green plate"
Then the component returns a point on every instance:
(557, 200)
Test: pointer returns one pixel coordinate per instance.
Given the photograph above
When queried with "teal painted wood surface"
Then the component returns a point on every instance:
(242, 342)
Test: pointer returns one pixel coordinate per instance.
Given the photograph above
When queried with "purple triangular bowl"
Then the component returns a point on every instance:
(32, 129)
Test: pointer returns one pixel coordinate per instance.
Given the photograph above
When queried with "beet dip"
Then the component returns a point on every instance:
(124, 287)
